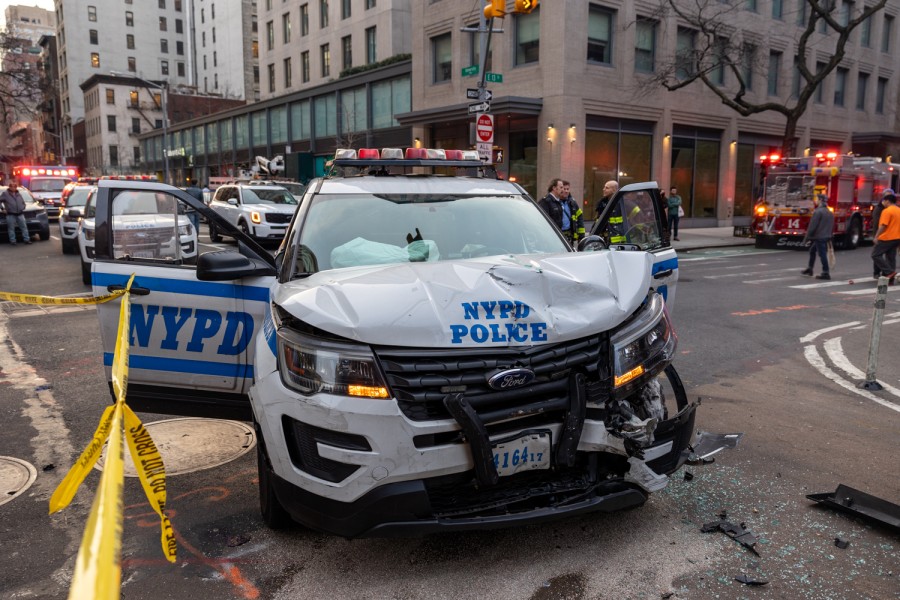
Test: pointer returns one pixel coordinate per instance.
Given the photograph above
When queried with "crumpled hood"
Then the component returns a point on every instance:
(492, 301)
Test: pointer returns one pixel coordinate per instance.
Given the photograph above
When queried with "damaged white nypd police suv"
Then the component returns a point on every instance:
(424, 352)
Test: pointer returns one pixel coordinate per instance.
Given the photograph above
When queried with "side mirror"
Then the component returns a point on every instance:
(232, 201)
(74, 213)
(592, 243)
(227, 265)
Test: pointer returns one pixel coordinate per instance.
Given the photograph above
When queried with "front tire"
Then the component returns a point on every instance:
(69, 246)
(273, 513)
(214, 235)
(246, 229)
(44, 234)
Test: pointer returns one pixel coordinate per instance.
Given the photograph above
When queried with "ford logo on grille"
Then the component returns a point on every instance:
(511, 378)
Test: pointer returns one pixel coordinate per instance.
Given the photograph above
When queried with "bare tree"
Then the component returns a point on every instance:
(719, 48)
(21, 83)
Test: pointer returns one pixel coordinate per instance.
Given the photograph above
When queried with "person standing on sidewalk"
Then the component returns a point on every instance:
(13, 204)
(819, 232)
(674, 202)
(887, 238)
(563, 211)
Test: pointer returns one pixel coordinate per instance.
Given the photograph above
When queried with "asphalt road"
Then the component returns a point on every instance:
(768, 358)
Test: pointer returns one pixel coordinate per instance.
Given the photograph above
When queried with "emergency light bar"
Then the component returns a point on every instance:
(411, 157)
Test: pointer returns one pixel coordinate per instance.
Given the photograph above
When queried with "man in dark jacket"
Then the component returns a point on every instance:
(13, 205)
(563, 211)
(819, 232)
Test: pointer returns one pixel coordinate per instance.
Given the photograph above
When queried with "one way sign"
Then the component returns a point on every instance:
(472, 94)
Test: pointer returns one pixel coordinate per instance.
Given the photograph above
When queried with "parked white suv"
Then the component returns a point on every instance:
(261, 211)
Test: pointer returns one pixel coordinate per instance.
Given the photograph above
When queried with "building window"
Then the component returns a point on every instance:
(95, 60)
(304, 20)
(774, 67)
(177, 5)
(270, 35)
(212, 11)
(162, 3)
(347, 51)
(475, 50)
(751, 5)
(179, 68)
(214, 35)
(271, 70)
(129, 41)
(215, 81)
(203, 15)
(164, 67)
(345, 9)
(820, 89)
(93, 37)
(92, 13)
(137, 154)
(215, 58)
(129, 19)
(179, 26)
(720, 58)
(285, 28)
(887, 33)
(254, 49)
(442, 58)
(802, 14)
(323, 14)
(795, 78)
(287, 72)
(133, 99)
(880, 91)
(371, 54)
(748, 61)
(179, 48)
(132, 65)
(326, 60)
(840, 86)
(862, 86)
(163, 24)
(865, 33)
(528, 32)
(205, 65)
(644, 46)
(164, 46)
(110, 96)
(110, 122)
(114, 156)
(685, 54)
(599, 43)
(304, 66)
(135, 125)
(370, 4)
(778, 9)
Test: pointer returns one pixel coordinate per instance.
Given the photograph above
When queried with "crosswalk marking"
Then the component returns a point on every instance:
(755, 281)
(766, 272)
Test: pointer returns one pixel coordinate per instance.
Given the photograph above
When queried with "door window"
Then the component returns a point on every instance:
(150, 225)
(635, 218)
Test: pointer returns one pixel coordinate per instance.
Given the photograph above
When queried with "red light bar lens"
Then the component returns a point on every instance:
(369, 153)
(26, 171)
(454, 154)
(774, 157)
(415, 153)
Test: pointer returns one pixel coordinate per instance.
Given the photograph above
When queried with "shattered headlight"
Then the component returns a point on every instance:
(184, 230)
(643, 347)
(310, 365)
(88, 234)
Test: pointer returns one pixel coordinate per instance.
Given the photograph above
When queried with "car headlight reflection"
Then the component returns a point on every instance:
(310, 365)
(255, 217)
(88, 234)
(643, 347)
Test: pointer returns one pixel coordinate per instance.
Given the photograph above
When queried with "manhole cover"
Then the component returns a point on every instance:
(192, 444)
(16, 476)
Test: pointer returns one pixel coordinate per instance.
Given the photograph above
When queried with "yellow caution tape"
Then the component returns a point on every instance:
(35, 299)
(98, 566)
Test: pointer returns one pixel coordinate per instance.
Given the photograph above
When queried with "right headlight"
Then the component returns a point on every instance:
(643, 347)
(88, 234)
(310, 365)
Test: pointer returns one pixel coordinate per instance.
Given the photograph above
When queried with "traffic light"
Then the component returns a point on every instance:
(526, 6)
(495, 9)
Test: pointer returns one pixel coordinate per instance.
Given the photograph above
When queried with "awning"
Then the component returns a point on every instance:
(516, 105)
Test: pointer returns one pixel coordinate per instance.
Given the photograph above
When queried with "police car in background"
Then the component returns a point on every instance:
(74, 199)
(260, 211)
(147, 224)
(423, 353)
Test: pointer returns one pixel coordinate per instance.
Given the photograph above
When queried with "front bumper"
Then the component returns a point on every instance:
(359, 468)
(37, 223)
(268, 232)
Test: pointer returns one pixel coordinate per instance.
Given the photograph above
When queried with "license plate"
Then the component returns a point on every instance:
(143, 254)
(524, 453)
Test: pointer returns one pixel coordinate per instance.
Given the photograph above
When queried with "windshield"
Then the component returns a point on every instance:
(362, 229)
(271, 196)
(790, 190)
(78, 196)
(47, 184)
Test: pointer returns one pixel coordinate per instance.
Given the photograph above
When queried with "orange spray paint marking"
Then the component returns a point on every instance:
(767, 311)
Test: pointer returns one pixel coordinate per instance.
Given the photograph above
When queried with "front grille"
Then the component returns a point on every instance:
(420, 378)
(278, 218)
(141, 238)
(302, 442)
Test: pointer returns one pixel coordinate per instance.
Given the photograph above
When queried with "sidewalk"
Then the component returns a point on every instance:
(709, 237)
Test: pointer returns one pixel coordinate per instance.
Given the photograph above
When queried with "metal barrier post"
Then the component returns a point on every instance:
(875, 339)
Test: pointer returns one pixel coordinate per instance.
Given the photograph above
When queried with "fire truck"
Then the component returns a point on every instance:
(853, 185)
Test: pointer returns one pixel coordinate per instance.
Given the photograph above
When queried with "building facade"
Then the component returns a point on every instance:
(226, 41)
(29, 22)
(307, 43)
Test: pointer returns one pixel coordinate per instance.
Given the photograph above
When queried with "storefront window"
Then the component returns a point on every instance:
(695, 172)
(200, 139)
(326, 116)
(278, 124)
(225, 132)
(743, 181)
(212, 138)
(258, 119)
(241, 132)
(522, 157)
(622, 155)
(353, 109)
(300, 120)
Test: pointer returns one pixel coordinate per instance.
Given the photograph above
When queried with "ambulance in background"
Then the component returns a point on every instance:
(853, 185)
(46, 184)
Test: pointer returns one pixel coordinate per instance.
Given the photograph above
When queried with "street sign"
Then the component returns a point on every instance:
(472, 94)
(470, 71)
(479, 107)
(484, 129)
(484, 151)
(493, 77)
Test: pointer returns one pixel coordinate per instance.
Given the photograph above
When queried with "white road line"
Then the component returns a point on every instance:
(822, 284)
(869, 291)
(815, 359)
(755, 281)
(769, 272)
(53, 237)
(814, 334)
(712, 267)
(836, 353)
